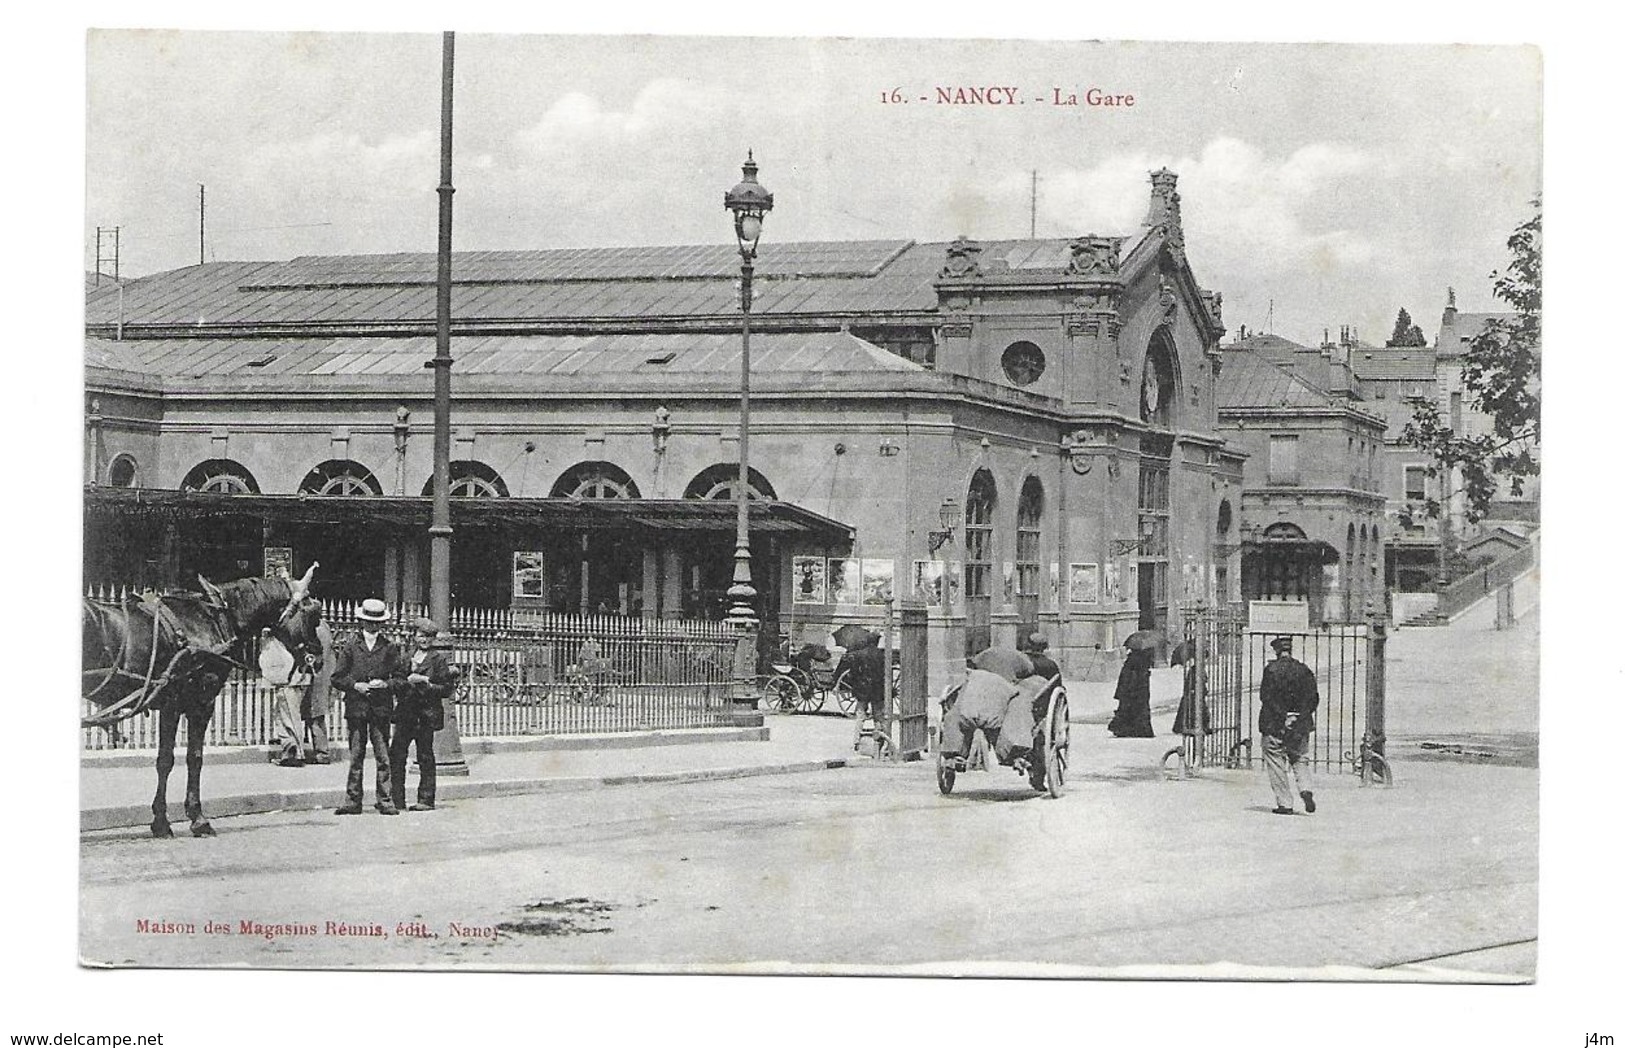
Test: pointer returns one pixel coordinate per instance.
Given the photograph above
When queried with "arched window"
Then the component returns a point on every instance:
(980, 505)
(340, 477)
(222, 475)
(472, 480)
(718, 483)
(121, 472)
(1029, 536)
(1159, 381)
(1349, 575)
(595, 480)
(1284, 572)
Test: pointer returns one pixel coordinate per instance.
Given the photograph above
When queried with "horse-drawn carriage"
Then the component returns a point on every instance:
(803, 681)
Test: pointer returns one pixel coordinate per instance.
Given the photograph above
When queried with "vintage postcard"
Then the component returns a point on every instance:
(499, 450)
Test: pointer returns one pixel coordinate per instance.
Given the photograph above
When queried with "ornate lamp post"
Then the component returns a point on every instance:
(749, 202)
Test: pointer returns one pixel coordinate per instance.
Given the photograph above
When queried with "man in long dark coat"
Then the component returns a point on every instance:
(1287, 700)
(420, 711)
(369, 669)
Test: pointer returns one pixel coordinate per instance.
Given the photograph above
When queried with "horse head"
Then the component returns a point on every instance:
(296, 625)
(281, 605)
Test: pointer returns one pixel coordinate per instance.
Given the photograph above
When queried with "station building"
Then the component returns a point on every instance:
(1017, 435)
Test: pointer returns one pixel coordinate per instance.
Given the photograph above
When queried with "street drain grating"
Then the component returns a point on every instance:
(575, 916)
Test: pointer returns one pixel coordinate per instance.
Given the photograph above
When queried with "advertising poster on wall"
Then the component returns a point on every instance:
(529, 574)
(807, 580)
(1083, 584)
(278, 562)
(877, 580)
(845, 581)
(927, 582)
(1114, 582)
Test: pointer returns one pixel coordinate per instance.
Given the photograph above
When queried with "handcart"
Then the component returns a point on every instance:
(1052, 737)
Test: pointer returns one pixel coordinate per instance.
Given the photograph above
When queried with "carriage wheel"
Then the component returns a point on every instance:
(844, 699)
(1057, 746)
(945, 773)
(809, 700)
(781, 694)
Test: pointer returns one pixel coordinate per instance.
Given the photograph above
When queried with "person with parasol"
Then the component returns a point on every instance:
(1132, 719)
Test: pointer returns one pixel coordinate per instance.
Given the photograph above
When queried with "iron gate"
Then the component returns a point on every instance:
(1225, 662)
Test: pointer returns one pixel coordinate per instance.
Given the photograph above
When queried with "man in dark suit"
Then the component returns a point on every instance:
(419, 713)
(369, 670)
(1287, 699)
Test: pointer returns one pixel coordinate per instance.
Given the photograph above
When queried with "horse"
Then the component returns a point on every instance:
(173, 654)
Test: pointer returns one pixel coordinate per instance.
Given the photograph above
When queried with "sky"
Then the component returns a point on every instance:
(1321, 184)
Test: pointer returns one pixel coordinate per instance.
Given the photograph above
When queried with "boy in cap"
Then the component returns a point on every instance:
(369, 670)
(1287, 699)
(420, 712)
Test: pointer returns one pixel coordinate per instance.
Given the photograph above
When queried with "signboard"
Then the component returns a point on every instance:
(1278, 616)
(278, 562)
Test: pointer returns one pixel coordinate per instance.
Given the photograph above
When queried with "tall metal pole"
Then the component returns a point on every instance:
(742, 594)
(200, 223)
(448, 745)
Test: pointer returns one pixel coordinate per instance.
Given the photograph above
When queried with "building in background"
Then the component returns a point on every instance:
(1312, 508)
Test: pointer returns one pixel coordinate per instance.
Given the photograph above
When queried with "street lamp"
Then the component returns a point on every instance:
(749, 202)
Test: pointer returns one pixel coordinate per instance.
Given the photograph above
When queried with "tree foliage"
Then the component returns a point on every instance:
(1501, 376)
(1405, 332)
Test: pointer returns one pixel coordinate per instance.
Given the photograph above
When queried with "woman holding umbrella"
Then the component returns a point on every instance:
(1133, 717)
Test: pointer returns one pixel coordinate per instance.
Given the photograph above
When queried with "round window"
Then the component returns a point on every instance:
(1023, 363)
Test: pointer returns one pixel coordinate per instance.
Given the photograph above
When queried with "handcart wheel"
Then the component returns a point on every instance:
(781, 694)
(1057, 745)
(844, 699)
(945, 773)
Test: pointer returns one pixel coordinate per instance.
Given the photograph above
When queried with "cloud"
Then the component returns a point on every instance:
(348, 162)
(663, 108)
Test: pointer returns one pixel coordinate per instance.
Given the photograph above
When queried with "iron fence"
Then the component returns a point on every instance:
(522, 674)
(1227, 663)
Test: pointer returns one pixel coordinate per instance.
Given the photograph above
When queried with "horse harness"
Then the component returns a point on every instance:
(152, 685)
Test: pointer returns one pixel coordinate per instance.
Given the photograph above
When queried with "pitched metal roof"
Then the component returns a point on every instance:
(1247, 380)
(585, 284)
(689, 353)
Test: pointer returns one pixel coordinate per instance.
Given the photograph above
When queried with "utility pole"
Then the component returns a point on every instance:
(448, 744)
(1032, 220)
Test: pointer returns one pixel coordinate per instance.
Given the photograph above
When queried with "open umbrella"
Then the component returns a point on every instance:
(1141, 639)
(851, 637)
(1008, 663)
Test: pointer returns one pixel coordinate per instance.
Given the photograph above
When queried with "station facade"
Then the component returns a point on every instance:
(1018, 435)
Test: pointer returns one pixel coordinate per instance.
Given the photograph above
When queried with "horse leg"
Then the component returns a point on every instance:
(197, 725)
(168, 720)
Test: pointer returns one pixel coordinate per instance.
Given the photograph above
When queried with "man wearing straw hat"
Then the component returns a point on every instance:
(419, 713)
(1287, 699)
(369, 670)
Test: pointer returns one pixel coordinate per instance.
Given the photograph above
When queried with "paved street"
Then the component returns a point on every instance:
(860, 867)
(705, 862)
